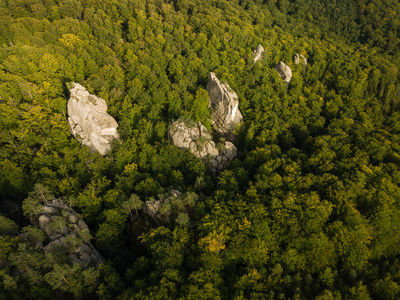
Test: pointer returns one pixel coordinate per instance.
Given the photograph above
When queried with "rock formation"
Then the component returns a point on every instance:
(225, 107)
(172, 206)
(152, 207)
(297, 58)
(186, 134)
(284, 71)
(258, 53)
(65, 231)
(88, 120)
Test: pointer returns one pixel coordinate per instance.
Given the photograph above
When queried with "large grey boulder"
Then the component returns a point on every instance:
(258, 53)
(65, 231)
(297, 58)
(284, 71)
(89, 121)
(185, 134)
(225, 107)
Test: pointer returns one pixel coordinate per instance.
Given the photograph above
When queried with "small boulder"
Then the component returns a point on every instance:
(49, 210)
(284, 71)
(297, 58)
(73, 218)
(258, 53)
(43, 221)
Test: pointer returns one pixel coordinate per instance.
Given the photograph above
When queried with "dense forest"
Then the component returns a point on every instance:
(309, 208)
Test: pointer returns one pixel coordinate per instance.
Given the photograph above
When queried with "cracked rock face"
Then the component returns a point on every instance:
(225, 107)
(284, 71)
(297, 58)
(65, 230)
(195, 138)
(258, 53)
(89, 121)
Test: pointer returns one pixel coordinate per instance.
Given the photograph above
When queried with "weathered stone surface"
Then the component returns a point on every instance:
(185, 134)
(284, 71)
(82, 225)
(49, 210)
(88, 120)
(73, 219)
(43, 220)
(297, 59)
(258, 53)
(167, 207)
(152, 207)
(61, 224)
(225, 107)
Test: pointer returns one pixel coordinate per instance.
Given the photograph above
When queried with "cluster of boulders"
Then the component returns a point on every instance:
(284, 70)
(185, 134)
(152, 207)
(65, 231)
(224, 104)
(89, 121)
(93, 127)
(297, 58)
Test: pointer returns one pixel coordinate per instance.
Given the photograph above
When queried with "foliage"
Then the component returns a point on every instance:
(309, 209)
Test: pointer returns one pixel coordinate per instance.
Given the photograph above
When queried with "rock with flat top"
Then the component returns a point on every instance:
(89, 121)
(225, 107)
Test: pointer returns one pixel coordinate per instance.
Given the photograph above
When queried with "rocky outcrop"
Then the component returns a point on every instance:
(284, 71)
(297, 59)
(225, 107)
(65, 231)
(89, 121)
(172, 206)
(258, 53)
(186, 134)
(152, 207)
